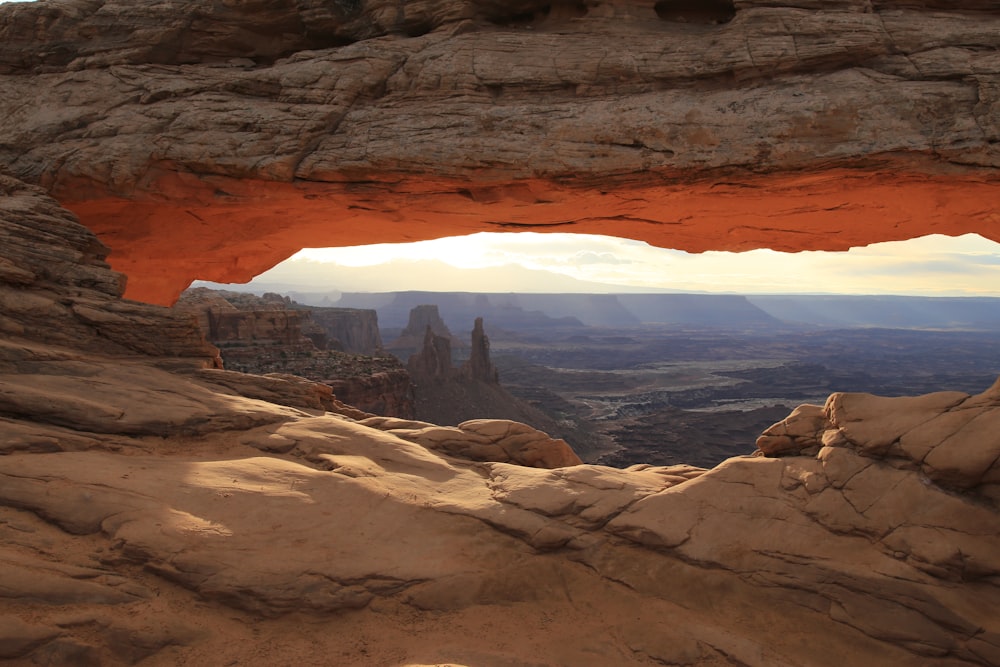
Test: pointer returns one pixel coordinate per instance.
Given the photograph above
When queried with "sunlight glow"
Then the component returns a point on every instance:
(931, 266)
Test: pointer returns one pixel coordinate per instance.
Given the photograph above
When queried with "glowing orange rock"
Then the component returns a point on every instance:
(195, 234)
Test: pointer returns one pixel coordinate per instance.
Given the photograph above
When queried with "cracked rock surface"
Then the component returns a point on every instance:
(154, 512)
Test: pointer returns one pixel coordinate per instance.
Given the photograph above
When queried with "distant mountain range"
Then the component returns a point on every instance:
(428, 275)
(517, 310)
(520, 311)
(891, 312)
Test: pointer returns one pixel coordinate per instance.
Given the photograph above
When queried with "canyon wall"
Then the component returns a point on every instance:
(349, 329)
(214, 142)
(272, 334)
(380, 391)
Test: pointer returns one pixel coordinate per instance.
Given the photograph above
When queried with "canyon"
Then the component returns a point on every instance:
(158, 509)
(694, 378)
(338, 347)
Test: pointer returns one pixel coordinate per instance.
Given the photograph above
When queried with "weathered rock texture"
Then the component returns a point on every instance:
(186, 516)
(215, 141)
(249, 328)
(55, 287)
(949, 436)
(497, 440)
(377, 385)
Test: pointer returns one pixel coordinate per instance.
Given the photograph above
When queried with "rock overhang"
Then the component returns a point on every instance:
(789, 125)
(234, 241)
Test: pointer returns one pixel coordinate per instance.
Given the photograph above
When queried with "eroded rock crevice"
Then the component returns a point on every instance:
(710, 12)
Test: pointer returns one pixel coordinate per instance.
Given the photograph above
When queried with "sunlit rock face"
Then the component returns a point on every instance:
(213, 141)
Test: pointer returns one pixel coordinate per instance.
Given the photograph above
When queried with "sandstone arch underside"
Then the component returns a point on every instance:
(214, 141)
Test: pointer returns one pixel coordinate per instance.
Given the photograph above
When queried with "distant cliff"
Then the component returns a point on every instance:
(348, 329)
(411, 338)
(519, 312)
(272, 334)
(505, 311)
(249, 327)
(448, 395)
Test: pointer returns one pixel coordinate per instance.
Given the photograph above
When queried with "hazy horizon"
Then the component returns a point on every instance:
(964, 266)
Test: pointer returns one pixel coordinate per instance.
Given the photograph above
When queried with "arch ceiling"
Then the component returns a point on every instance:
(214, 141)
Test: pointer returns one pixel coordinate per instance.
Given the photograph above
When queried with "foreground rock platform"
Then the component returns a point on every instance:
(278, 532)
(157, 510)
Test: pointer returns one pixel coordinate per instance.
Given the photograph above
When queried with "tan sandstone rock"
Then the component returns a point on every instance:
(950, 436)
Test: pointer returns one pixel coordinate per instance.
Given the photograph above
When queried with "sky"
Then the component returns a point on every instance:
(528, 262)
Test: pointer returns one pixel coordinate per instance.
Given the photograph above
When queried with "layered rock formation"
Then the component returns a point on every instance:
(272, 319)
(252, 330)
(349, 329)
(215, 142)
(56, 288)
(270, 334)
(379, 385)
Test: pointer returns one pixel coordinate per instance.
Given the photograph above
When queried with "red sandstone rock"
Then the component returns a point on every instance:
(55, 287)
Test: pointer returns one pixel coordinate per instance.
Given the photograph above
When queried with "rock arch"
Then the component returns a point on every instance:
(787, 127)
